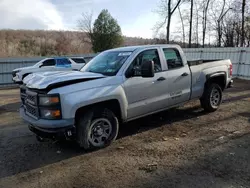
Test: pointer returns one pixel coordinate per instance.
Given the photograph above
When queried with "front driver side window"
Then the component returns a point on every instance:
(147, 55)
(49, 62)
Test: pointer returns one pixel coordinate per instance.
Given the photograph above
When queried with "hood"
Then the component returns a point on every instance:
(54, 79)
(23, 68)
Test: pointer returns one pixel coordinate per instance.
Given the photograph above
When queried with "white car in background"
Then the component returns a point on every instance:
(49, 64)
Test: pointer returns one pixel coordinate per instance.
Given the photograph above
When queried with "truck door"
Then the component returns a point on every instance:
(178, 77)
(48, 65)
(145, 95)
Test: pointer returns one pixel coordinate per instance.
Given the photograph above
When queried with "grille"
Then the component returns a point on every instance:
(23, 94)
(22, 90)
(31, 110)
(31, 97)
(29, 101)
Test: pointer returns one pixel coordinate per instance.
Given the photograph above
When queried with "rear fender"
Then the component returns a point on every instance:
(219, 77)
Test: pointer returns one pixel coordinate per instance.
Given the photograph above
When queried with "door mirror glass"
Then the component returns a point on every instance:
(147, 69)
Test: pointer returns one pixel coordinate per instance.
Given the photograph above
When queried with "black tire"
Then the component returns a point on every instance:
(84, 126)
(206, 102)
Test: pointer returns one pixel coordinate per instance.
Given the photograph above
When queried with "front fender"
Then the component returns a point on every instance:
(71, 102)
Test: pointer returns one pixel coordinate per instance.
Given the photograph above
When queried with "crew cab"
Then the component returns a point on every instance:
(48, 64)
(119, 85)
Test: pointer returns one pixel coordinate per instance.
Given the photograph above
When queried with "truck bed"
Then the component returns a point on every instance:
(200, 68)
(201, 61)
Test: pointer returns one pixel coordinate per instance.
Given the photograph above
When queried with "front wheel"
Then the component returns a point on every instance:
(211, 98)
(97, 128)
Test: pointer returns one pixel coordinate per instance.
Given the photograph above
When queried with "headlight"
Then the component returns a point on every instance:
(50, 100)
(49, 106)
(50, 114)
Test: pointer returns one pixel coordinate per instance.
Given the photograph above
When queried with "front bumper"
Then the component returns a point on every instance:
(49, 128)
(53, 133)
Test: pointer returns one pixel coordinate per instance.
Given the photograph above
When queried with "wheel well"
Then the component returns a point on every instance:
(220, 80)
(112, 105)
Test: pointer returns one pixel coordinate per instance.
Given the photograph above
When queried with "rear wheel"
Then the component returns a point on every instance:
(211, 98)
(97, 128)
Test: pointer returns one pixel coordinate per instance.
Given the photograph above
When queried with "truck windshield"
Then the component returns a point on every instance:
(107, 63)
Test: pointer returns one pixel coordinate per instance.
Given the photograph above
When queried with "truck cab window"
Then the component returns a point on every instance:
(49, 62)
(147, 55)
(173, 58)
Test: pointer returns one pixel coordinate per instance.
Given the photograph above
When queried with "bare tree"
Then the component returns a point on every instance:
(190, 23)
(170, 13)
(243, 23)
(204, 20)
(231, 27)
(247, 31)
(63, 44)
(166, 10)
(219, 30)
(183, 27)
(197, 25)
(85, 25)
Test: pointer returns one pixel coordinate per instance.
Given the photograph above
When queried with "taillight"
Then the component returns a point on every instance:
(231, 70)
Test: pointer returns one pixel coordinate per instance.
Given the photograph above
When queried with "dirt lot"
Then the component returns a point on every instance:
(184, 147)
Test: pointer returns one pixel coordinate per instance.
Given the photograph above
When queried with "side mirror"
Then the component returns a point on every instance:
(40, 65)
(147, 69)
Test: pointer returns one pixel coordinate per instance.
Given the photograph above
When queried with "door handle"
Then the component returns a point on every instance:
(161, 79)
(184, 74)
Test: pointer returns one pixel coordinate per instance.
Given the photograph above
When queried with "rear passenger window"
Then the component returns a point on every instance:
(63, 62)
(173, 58)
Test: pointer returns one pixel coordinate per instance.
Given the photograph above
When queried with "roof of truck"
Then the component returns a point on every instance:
(133, 48)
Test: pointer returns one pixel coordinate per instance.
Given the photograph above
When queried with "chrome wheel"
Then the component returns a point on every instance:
(215, 98)
(99, 132)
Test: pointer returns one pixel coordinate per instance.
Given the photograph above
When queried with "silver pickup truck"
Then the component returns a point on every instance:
(119, 85)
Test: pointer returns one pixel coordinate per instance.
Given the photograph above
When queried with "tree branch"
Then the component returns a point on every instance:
(85, 23)
(178, 3)
(160, 25)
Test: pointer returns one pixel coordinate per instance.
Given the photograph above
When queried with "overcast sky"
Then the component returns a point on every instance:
(134, 16)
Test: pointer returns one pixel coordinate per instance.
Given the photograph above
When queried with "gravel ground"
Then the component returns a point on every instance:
(184, 147)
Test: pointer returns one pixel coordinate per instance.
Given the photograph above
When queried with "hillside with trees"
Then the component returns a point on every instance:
(30, 43)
